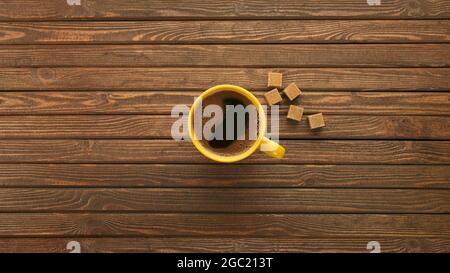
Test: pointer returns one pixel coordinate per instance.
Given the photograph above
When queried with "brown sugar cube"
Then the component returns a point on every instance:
(275, 80)
(292, 91)
(273, 97)
(295, 112)
(316, 121)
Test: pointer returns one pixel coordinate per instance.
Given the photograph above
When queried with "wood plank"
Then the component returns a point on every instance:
(436, 244)
(222, 225)
(188, 175)
(159, 126)
(169, 151)
(159, 102)
(343, 79)
(188, 9)
(327, 55)
(226, 200)
(236, 31)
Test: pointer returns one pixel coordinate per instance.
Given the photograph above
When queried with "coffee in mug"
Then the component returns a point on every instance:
(227, 124)
(236, 130)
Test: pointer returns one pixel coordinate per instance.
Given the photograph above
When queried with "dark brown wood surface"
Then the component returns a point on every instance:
(159, 126)
(329, 55)
(226, 32)
(201, 225)
(86, 153)
(223, 176)
(114, 78)
(227, 244)
(218, 200)
(223, 9)
(161, 102)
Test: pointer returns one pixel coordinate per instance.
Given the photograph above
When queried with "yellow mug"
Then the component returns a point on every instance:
(270, 147)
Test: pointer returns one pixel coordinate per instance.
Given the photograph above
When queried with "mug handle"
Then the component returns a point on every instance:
(272, 148)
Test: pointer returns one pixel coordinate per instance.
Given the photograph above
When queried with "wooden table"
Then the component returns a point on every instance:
(86, 153)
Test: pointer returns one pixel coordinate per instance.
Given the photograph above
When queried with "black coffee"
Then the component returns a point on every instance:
(220, 143)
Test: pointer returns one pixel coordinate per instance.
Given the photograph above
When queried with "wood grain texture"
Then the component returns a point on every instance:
(226, 200)
(86, 152)
(327, 55)
(157, 126)
(236, 176)
(436, 244)
(238, 31)
(188, 9)
(159, 102)
(343, 79)
(169, 151)
(222, 225)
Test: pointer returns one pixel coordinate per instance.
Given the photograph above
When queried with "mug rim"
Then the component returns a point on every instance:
(261, 126)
